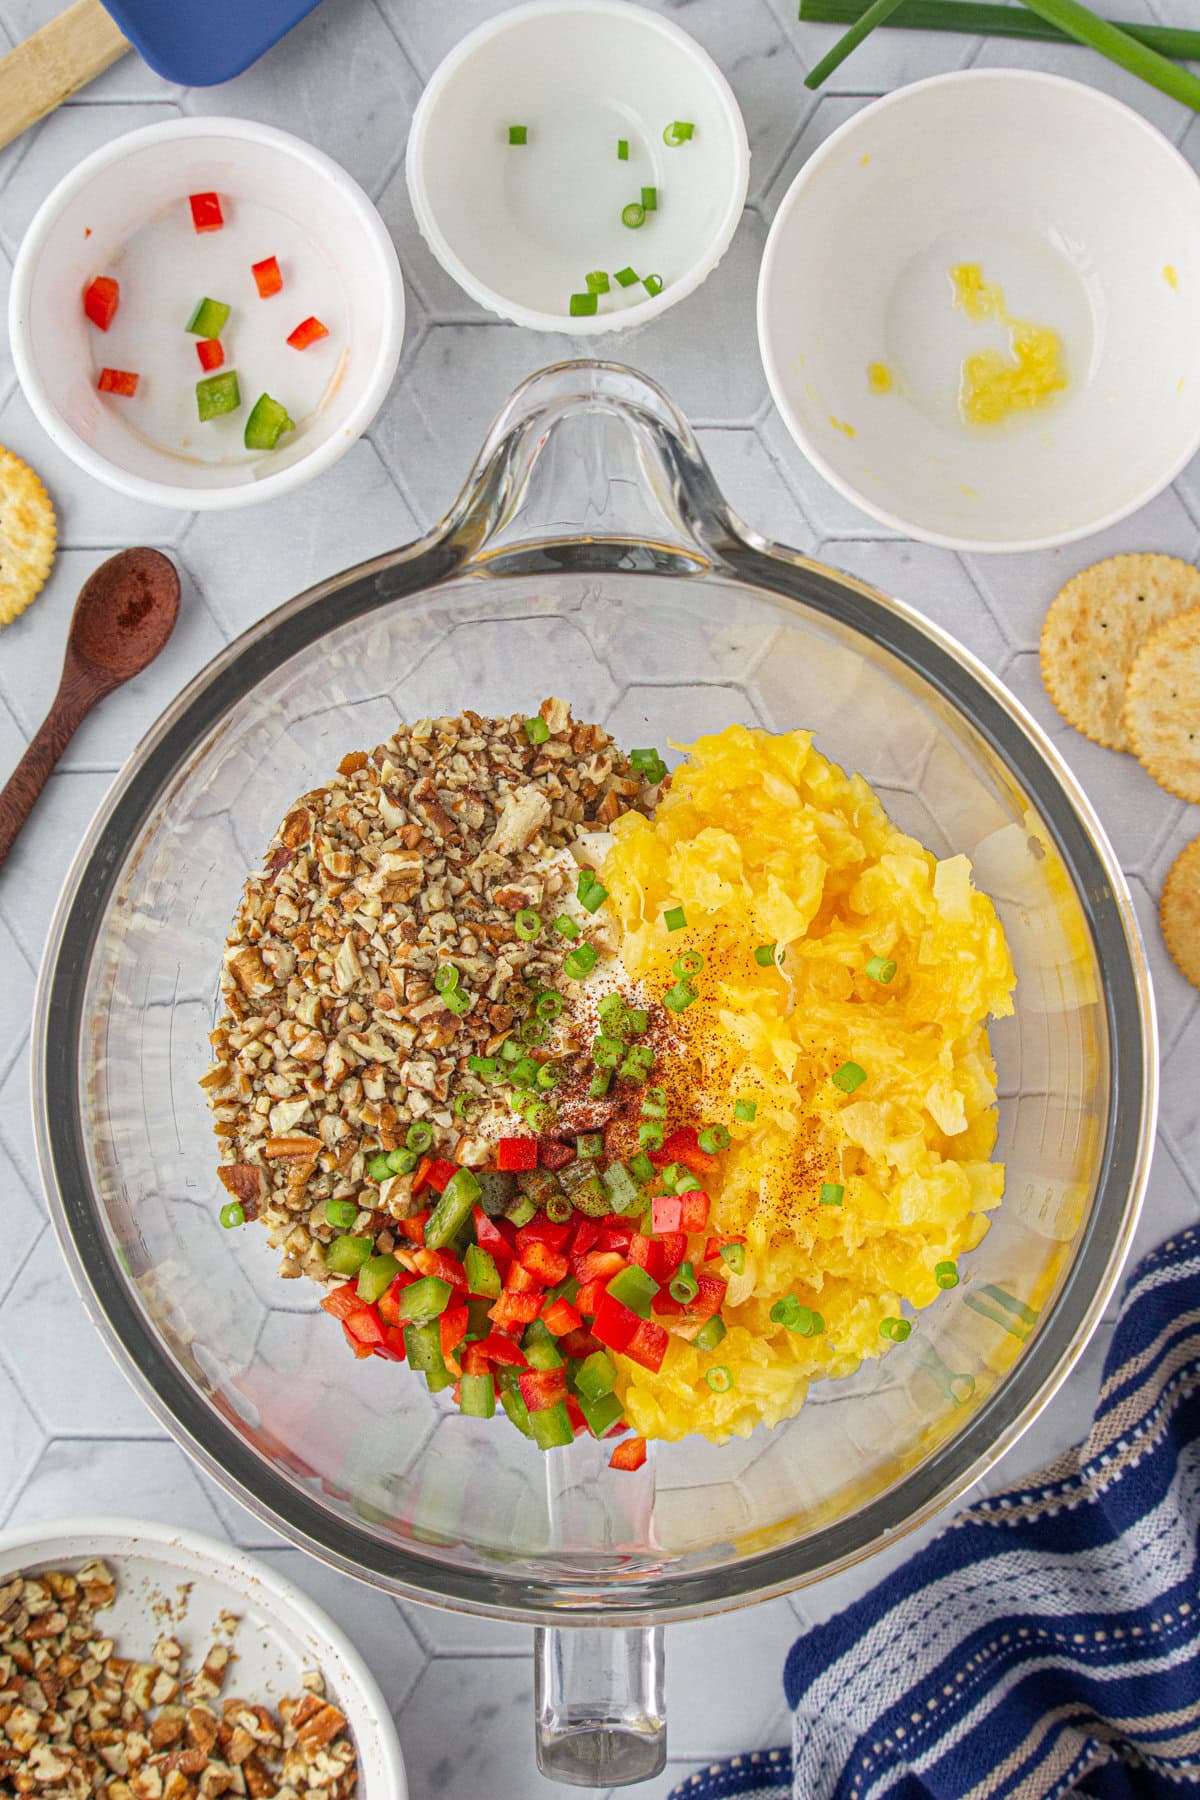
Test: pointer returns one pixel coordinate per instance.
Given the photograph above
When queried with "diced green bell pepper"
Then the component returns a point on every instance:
(601, 1413)
(425, 1299)
(566, 1290)
(515, 1407)
(267, 423)
(520, 1212)
(376, 1277)
(478, 1323)
(551, 1427)
(478, 1396)
(423, 1344)
(218, 394)
(346, 1255)
(621, 1188)
(540, 1347)
(483, 1277)
(209, 319)
(452, 1210)
(497, 1190)
(632, 1287)
(595, 1377)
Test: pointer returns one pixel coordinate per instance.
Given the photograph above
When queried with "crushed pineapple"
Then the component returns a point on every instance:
(762, 840)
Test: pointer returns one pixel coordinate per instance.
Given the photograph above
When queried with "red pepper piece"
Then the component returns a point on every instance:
(365, 1326)
(616, 1238)
(629, 1455)
(647, 1253)
(496, 1348)
(648, 1345)
(446, 1268)
(520, 1280)
(211, 353)
(421, 1178)
(496, 1236)
(597, 1265)
(694, 1214)
(682, 1146)
(308, 331)
(118, 381)
(541, 1388)
(517, 1153)
(342, 1301)
(393, 1347)
(267, 278)
(665, 1212)
(389, 1305)
(560, 1317)
(206, 212)
(439, 1173)
(578, 1422)
(663, 1303)
(553, 1155)
(589, 1296)
(414, 1229)
(454, 1324)
(673, 1245)
(615, 1323)
(473, 1360)
(541, 1231)
(587, 1237)
(515, 1309)
(360, 1349)
(579, 1344)
(550, 1266)
(101, 299)
(713, 1245)
(709, 1301)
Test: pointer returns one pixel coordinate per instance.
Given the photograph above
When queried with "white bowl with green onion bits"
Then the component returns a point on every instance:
(1002, 215)
(578, 165)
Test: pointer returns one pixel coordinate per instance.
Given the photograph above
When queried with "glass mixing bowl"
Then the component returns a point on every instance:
(590, 556)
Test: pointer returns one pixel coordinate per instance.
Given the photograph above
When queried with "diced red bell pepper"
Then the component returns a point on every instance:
(211, 352)
(560, 1317)
(615, 1323)
(647, 1253)
(101, 299)
(663, 1303)
(681, 1212)
(454, 1323)
(515, 1309)
(579, 1345)
(548, 1265)
(206, 212)
(590, 1294)
(597, 1265)
(517, 1153)
(389, 1305)
(553, 1155)
(629, 1455)
(361, 1350)
(344, 1300)
(578, 1422)
(541, 1388)
(520, 1280)
(648, 1345)
(713, 1245)
(267, 278)
(540, 1230)
(414, 1229)
(709, 1300)
(439, 1173)
(365, 1326)
(421, 1178)
(673, 1245)
(393, 1347)
(614, 1237)
(118, 381)
(682, 1146)
(478, 1358)
(446, 1268)
(587, 1236)
(496, 1236)
(308, 331)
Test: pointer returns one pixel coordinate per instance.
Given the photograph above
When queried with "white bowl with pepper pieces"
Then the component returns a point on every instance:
(171, 1666)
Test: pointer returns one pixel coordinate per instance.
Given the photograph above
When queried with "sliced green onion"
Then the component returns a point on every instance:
(536, 729)
(523, 1073)
(558, 1209)
(595, 897)
(684, 1287)
(233, 1214)
(445, 979)
(457, 1002)
(549, 1004)
(341, 1213)
(539, 1115)
(650, 1134)
(667, 1176)
(533, 1030)
(527, 924)
(625, 277)
(379, 1168)
(735, 1256)
(566, 926)
(419, 1136)
(510, 1050)
(633, 215)
(641, 1166)
(467, 1105)
(622, 149)
(518, 134)
(547, 1077)
(680, 997)
(637, 1024)
(882, 968)
(654, 1103)
(719, 1379)
(850, 1076)
(649, 199)
(895, 1329)
(607, 1051)
(765, 956)
(587, 880)
(653, 285)
(714, 1138)
(687, 1183)
(786, 1312)
(598, 282)
(598, 1086)
(580, 962)
(746, 1111)
(710, 1333)
(833, 1193)
(583, 304)
(611, 1012)
(675, 919)
(590, 1143)
(690, 963)
(945, 1274)
(678, 132)
(484, 1066)
(403, 1162)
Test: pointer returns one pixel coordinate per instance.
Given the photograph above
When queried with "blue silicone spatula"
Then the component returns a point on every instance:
(182, 40)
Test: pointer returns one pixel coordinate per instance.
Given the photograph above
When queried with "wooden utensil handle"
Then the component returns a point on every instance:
(55, 63)
(37, 765)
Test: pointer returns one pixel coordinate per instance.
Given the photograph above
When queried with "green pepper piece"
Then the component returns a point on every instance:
(632, 1287)
(483, 1277)
(520, 1212)
(515, 1407)
(423, 1344)
(565, 1290)
(267, 423)
(346, 1255)
(425, 1299)
(209, 319)
(595, 1377)
(621, 1188)
(602, 1413)
(589, 1197)
(218, 394)
(497, 1189)
(478, 1396)
(452, 1210)
(478, 1323)
(538, 1185)
(540, 1347)
(376, 1277)
(551, 1426)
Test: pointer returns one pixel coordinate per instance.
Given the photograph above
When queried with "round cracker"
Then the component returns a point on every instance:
(1096, 626)
(28, 535)
(1179, 911)
(1162, 705)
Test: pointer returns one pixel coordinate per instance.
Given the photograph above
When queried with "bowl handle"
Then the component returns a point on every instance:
(592, 457)
(599, 1712)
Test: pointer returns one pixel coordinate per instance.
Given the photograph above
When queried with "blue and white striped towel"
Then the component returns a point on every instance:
(1048, 1641)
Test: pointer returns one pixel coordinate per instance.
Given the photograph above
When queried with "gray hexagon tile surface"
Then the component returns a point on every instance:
(347, 79)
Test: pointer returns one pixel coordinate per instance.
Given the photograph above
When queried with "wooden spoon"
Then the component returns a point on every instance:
(125, 613)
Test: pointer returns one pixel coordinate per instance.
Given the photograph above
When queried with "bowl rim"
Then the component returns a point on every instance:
(455, 546)
(531, 318)
(1033, 79)
(51, 1541)
(323, 454)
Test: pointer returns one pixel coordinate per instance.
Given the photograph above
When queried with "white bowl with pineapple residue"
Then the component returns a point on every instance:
(977, 310)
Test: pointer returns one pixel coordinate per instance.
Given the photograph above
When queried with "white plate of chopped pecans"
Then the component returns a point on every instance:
(180, 1667)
